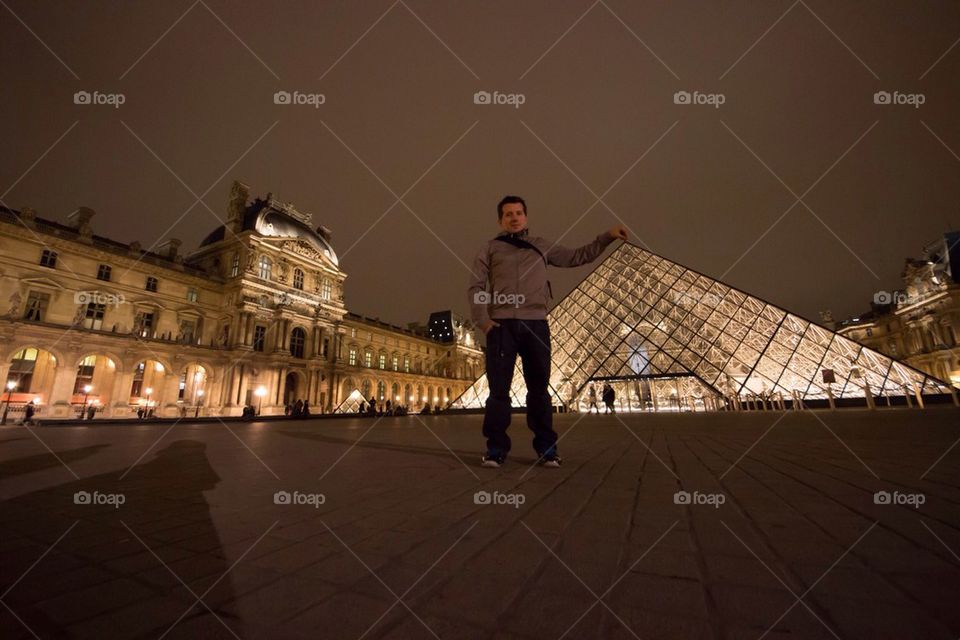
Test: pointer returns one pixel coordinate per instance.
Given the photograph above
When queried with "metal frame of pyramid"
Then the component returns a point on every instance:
(640, 316)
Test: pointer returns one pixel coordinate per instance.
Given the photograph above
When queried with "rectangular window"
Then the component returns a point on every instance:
(48, 258)
(382, 361)
(395, 362)
(151, 284)
(367, 359)
(406, 363)
(94, 316)
(37, 304)
(259, 337)
(103, 272)
(326, 347)
(145, 325)
(192, 295)
(235, 266)
(353, 356)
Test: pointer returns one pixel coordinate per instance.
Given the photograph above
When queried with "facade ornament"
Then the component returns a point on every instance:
(15, 300)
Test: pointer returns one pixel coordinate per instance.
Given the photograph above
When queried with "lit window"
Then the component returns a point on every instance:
(353, 356)
(367, 359)
(235, 266)
(382, 361)
(265, 267)
(192, 295)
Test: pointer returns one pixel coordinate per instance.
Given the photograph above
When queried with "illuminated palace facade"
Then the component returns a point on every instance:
(255, 316)
(920, 323)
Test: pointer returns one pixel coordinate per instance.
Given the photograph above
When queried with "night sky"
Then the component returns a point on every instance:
(699, 184)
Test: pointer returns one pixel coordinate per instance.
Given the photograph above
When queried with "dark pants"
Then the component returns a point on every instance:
(530, 339)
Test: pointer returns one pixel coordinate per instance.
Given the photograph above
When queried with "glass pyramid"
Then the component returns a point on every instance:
(665, 336)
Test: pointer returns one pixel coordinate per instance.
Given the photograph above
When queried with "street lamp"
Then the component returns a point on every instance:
(11, 385)
(199, 400)
(87, 388)
(261, 391)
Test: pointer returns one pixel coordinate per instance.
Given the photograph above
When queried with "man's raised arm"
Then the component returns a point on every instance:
(560, 256)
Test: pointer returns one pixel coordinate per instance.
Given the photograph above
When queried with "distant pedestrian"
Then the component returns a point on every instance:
(298, 408)
(306, 409)
(91, 412)
(609, 395)
(592, 394)
(28, 413)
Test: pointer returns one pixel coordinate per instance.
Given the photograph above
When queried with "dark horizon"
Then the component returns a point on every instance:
(710, 188)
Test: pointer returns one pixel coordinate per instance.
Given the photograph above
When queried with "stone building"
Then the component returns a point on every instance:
(254, 316)
(920, 323)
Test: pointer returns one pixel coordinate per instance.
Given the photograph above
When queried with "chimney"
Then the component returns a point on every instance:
(79, 220)
(170, 249)
(237, 206)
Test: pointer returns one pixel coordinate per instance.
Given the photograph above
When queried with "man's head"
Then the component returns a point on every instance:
(512, 214)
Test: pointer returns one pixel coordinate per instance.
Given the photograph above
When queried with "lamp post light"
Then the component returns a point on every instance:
(11, 385)
(198, 401)
(261, 391)
(87, 388)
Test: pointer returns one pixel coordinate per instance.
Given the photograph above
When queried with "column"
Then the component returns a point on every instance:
(63, 379)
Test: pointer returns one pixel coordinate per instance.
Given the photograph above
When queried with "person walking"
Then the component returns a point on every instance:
(509, 294)
(592, 394)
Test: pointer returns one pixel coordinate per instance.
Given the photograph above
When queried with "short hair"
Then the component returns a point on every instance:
(509, 200)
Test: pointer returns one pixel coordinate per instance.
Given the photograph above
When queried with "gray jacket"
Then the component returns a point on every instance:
(511, 282)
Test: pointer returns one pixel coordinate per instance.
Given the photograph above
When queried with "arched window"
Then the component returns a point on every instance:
(265, 267)
(381, 391)
(298, 279)
(367, 359)
(22, 366)
(298, 337)
(366, 389)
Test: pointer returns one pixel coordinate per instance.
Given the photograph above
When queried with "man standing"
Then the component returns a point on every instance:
(509, 294)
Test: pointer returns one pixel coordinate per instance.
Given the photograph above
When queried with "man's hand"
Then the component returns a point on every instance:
(490, 325)
(619, 232)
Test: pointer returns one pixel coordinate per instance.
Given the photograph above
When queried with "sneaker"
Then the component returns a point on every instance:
(551, 462)
(492, 461)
